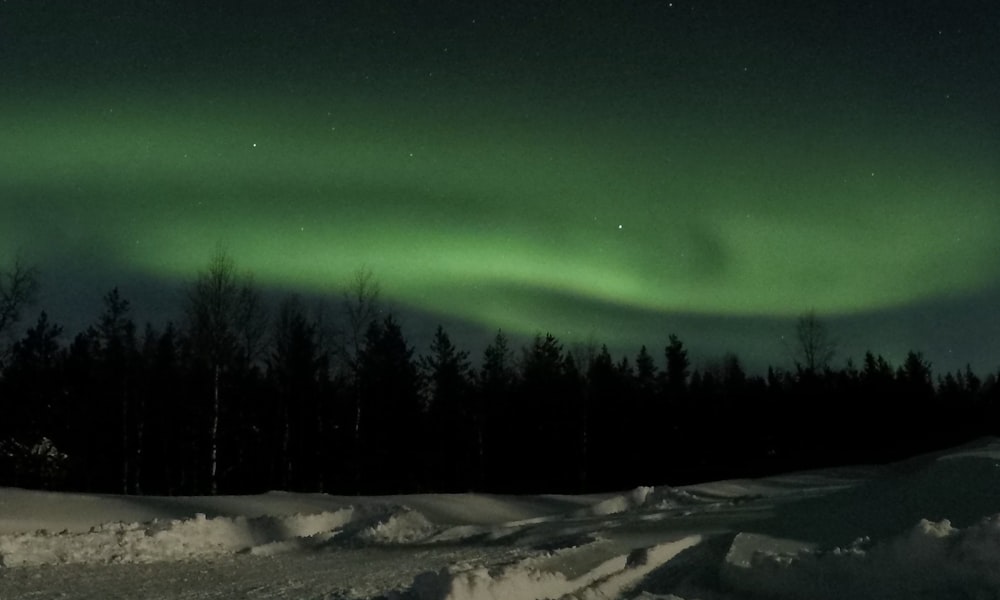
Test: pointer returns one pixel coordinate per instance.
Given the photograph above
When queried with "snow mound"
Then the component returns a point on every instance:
(666, 498)
(163, 541)
(202, 537)
(931, 560)
(402, 526)
(619, 504)
(608, 579)
(645, 498)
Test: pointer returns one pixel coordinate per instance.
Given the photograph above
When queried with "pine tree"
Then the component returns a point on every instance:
(450, 419)
(388, 386)
(677, 366)
(645, 370)
(31, 409)
(33, 376)
(169, 444)
(120, 403)
(494, 412)
(915, 389)
(602, 428)
(297, 367)
(550, 416)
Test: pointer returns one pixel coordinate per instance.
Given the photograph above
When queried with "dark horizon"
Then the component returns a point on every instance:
(760, 342)
(241, 398)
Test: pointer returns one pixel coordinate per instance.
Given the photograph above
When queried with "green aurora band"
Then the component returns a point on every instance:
(510, 217)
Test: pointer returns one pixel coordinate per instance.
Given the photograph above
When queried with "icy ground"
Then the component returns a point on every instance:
(924, 528)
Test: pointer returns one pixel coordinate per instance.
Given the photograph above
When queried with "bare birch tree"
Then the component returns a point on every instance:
(18, 290)
(361, 308)
(226, 322)
(815, 347)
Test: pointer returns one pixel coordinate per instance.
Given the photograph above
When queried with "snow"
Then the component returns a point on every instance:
(928, 527)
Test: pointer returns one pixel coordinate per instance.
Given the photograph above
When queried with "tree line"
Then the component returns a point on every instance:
(240, 399)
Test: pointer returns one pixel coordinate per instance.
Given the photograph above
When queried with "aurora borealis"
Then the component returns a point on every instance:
(617, 173)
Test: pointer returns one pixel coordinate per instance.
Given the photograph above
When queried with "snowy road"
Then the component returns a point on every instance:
(361, 573)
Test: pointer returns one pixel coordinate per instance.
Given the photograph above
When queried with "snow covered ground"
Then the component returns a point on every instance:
(928, 527)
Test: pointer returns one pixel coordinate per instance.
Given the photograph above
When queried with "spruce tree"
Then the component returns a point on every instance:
(390, 434)
(450, 419)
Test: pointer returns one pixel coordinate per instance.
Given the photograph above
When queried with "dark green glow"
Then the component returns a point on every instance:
(474, 214)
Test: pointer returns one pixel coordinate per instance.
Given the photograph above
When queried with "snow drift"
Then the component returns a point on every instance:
(202, 537)
(924, 528)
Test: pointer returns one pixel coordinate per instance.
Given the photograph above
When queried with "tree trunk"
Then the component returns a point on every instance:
(215, 430)
(125, 438)
(315, 450)
(286, 439)
(139, 423)
(357, 443)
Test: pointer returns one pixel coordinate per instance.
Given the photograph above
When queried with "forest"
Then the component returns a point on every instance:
(240, 398)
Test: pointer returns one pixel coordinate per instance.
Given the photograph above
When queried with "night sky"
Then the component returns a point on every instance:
(603, 171)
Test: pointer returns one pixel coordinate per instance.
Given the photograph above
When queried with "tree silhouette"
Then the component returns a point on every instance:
(651, 418)
(34, 368)
(915, 376)
(361, 309)
(550, 415)
(605, 421)
(18, 289)
(29, 402)
(116, 352)
(187, 410)
(494, 412)
(677, 365)
(225, 317)
(451, 422)
(645, 370)
(388, 388)
(298, 368)
(169, 438)
(814, 346)
(362, 306)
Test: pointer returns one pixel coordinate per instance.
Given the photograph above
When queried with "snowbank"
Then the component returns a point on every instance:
(203, 537)
(932, 560)
(928, 527)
